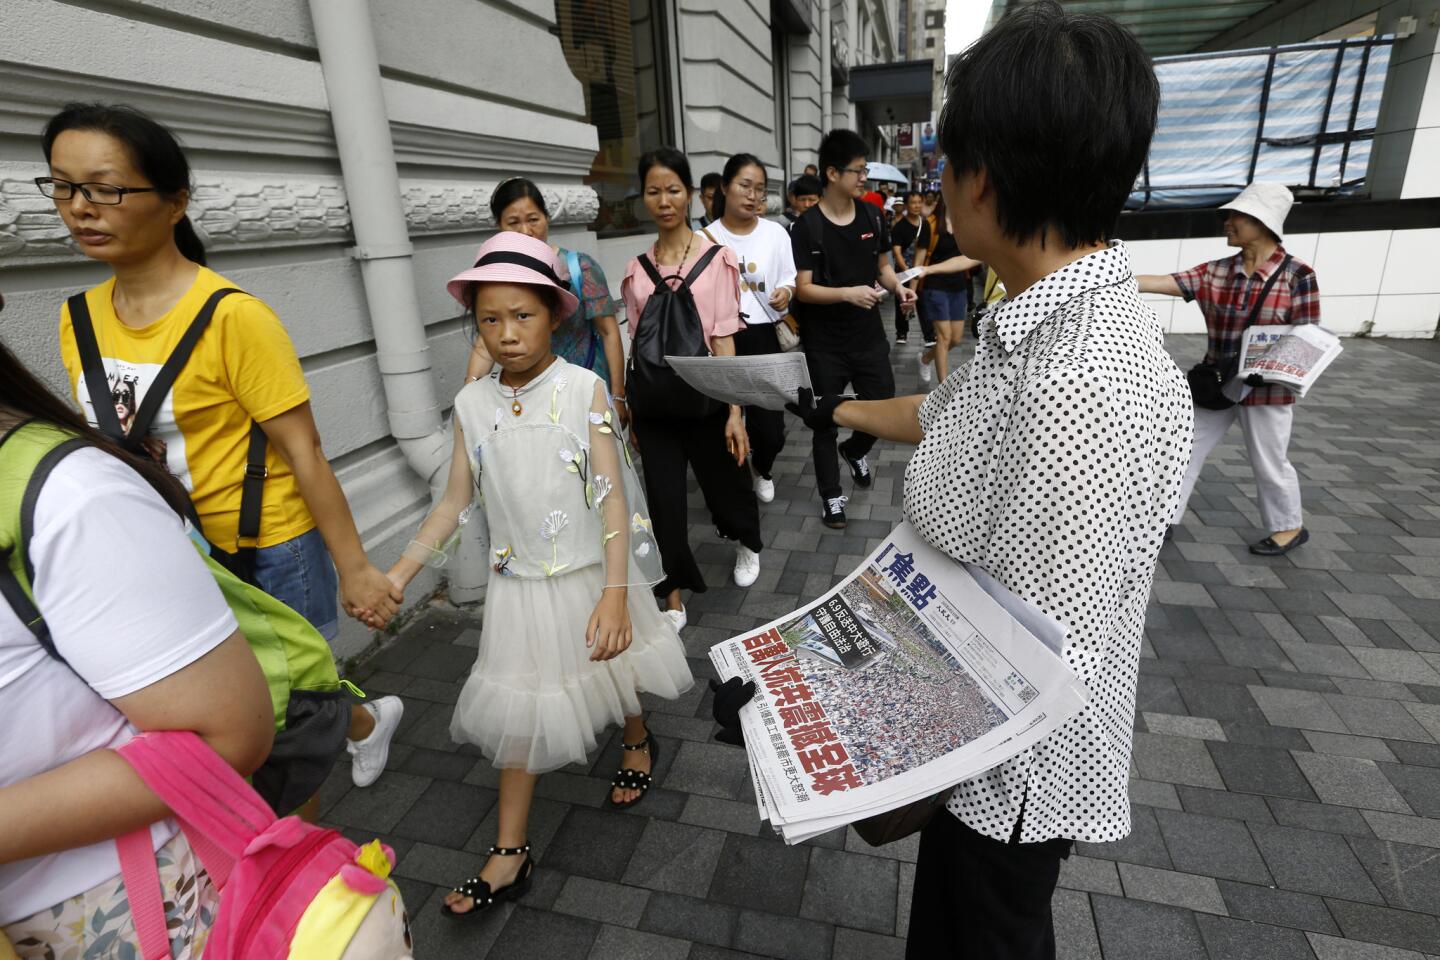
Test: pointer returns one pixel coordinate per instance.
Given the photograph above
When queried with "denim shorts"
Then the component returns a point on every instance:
(945, 305)
(300, 575)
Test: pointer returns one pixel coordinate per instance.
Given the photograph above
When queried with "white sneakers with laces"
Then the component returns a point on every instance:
(926, 374)
(764, 489)
(368, 756)
(677, 617)
(747, 565)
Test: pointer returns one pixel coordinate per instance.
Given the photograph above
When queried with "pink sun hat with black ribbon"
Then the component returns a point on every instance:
(510, 257)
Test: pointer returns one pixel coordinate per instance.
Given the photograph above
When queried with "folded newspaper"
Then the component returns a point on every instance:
(768, 380)
(1289, 356)
(912, 674)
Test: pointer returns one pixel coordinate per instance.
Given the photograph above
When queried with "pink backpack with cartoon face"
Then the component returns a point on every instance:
(288, 889)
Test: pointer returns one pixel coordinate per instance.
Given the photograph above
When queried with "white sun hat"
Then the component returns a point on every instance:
(1267, 202)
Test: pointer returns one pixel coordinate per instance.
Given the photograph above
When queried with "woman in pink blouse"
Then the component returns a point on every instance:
(714, 444)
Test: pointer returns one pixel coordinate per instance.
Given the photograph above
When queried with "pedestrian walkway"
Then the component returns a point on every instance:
(1286, 769)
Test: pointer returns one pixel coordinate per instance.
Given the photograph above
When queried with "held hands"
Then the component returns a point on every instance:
(608, 633)
(370, 596)
(737, 441)
(817, 414)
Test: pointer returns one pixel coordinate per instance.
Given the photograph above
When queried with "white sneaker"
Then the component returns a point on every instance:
(369, 755)
(926, 374)
(677, 617)
(764, 490)
(747, 565)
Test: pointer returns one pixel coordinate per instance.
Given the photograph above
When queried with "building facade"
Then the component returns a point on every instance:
(350, 238)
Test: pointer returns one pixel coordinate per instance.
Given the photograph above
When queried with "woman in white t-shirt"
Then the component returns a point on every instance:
(767, 282)
(148, 644)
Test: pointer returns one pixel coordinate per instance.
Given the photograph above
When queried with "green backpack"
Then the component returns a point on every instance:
(312, 712)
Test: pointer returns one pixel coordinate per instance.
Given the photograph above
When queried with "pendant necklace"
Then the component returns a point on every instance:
(515, 406)
(655, 254)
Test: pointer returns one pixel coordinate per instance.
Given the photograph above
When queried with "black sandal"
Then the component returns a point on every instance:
(479, 892)
(635, 779)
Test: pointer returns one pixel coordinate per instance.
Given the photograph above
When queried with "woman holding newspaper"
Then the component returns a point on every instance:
(1260, 286)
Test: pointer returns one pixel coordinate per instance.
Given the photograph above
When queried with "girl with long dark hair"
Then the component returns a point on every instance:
(147, 645)
(121, 183)
(944, 295)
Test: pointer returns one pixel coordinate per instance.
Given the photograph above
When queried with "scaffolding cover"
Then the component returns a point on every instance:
(1302, 115)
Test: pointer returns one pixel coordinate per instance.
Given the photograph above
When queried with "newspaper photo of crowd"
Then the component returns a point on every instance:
(875, 710)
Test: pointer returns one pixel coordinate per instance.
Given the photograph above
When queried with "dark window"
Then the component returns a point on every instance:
(617, 50)
(934, 19)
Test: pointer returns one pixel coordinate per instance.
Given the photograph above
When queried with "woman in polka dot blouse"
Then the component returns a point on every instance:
(1053, 459)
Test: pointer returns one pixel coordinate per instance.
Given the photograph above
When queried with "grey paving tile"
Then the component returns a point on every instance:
(535, 934)
(598, 900)
(1167, 886)
(761, 874)
(1200, 728)
(1297, 708)
(1248, 940)
(1079, 872)
(729, 815)
(675, 858)
(1335, 948)
(1143, 844)
(1152, 793)
(1350, 782)
(1395, 928)
(1420, 786)
(1075, 935)
(686, 918)
(769, 934)
(904, 895)
(1174, 760)
(1372, 717)
(381, 806)
(1408, 876)
(859, 945)
(1319, 816)
(620, 943)
(709, 769)
(594, 844)
(833, 878)
(1378, 689)
(1131, 929)
(1222, 803)
(1345, 745)
(1284, 907)
(1401, 666)
(1323, 658)
(1212, 847)
(1311, 862)
(1247, 768)
(1423, 831)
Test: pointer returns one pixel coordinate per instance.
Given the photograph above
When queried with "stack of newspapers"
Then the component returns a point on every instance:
(911, 675)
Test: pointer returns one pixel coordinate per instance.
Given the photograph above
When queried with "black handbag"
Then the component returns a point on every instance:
(1207, 380)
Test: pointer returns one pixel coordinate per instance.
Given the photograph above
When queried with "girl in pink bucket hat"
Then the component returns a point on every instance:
(571, 636)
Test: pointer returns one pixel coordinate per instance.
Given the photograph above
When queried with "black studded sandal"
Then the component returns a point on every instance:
(479, 892)
(635, 779)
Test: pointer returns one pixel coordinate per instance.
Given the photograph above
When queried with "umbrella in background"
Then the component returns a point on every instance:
(889, 173)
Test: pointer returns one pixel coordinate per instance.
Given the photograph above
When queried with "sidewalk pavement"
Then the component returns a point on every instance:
(1286, 773)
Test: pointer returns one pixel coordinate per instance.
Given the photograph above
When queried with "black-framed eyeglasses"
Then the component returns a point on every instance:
(861, 172)
(106, 193)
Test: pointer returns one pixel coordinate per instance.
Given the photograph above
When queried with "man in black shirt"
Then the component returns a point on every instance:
(841, 250)
(910, 233)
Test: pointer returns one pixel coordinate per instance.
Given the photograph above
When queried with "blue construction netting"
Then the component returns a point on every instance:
(1302, 115)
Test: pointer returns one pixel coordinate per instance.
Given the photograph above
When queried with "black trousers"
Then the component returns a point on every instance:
(865, 368)
(766, 427)
(667, 447)
(980, 899)
(902, 322)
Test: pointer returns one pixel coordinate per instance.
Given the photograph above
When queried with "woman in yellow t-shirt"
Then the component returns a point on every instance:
(121, 183)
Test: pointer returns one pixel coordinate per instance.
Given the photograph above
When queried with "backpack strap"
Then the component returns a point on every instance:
(700, 265)
(141, 876)
(652, 271)
(164, 381)
(97, 382)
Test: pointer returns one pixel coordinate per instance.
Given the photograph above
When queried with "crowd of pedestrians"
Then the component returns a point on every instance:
(198, 459)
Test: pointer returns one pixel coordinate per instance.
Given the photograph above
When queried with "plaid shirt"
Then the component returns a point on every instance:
(1226, 297)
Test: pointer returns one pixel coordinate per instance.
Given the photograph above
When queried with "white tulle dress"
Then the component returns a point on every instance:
(561, 500)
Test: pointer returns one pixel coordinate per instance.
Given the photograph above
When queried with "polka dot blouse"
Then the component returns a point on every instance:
(1054, 460)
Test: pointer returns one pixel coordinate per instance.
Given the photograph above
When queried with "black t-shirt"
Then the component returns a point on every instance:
(908, 237)
(840, 256)
(945, 248)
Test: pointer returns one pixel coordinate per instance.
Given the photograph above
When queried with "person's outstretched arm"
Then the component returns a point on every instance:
(429, 546)
(1163, 283)
(895, 419)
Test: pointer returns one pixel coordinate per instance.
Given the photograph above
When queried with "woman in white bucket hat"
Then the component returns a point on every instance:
(1262, 284)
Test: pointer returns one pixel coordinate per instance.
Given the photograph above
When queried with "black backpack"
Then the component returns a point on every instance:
(669, 326)
(97, 384)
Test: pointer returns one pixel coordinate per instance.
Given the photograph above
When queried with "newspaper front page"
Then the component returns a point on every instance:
(1291, 356)
(906, 678)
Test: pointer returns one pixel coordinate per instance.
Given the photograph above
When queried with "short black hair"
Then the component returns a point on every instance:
(712, 180)
(516, 188)
(806, 185)
(1058, 109)
(838, 148)
(913, 193)
(669, 158)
